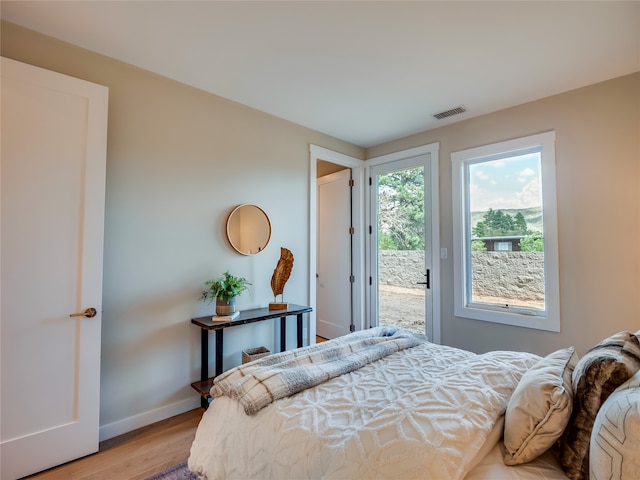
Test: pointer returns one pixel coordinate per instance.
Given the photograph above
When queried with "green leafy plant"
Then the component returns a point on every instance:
(532, 243)
(225, 287)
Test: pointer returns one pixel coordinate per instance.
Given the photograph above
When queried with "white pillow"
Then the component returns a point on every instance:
(540, 407)
(615, 439)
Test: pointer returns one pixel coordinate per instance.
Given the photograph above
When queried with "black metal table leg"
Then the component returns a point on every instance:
(204, 354)
(219, 345)
(283, 334)
(204, 362)
(299, 326)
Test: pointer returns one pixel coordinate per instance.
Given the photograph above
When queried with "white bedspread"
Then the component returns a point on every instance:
(423, 412)
(257, 384)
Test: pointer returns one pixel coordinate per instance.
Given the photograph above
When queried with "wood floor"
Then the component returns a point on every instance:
(135, 455)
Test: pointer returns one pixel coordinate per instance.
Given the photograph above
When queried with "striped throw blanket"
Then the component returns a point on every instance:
(256, 384)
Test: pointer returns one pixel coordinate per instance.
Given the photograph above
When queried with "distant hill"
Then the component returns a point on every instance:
(533, 216)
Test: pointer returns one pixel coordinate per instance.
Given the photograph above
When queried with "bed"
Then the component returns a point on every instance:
(385, 403)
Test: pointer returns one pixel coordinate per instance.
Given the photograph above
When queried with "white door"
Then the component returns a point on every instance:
(404, 268)
(334, 309)
(52, 199)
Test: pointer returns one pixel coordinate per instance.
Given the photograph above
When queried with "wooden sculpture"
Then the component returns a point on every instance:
(279, 278)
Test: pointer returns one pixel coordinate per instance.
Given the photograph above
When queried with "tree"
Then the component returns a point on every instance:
(532, 243)
(385, 242)
(478, 246)
(520, 223)
(496, 223)
(401, 210)
(480, 230)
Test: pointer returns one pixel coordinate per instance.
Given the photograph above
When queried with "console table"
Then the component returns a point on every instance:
(206, 324)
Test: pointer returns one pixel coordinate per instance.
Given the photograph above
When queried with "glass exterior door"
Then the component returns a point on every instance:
(401, 256)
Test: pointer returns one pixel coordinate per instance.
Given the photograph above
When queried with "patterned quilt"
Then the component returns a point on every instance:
(423, 412)
(257, 384)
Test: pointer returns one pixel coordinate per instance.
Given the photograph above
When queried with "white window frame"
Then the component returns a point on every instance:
(549, 319)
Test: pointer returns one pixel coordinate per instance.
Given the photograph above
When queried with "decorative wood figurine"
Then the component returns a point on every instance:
(279, 278)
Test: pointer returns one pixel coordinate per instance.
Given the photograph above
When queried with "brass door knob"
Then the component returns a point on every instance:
(89, 313)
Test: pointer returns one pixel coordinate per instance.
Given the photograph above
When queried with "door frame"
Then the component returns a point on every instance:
(357, 168)
(432, 308)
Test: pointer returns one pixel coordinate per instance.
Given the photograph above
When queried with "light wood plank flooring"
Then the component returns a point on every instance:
(135, 455)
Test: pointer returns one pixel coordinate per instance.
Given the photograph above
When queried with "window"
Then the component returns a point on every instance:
(503, 246)
(505, 233)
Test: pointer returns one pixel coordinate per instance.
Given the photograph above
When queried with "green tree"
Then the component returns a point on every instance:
(532, 243)
(480, 230)
(520, 224)
(401, 210)
(385, 242)
(496, 223)
(478, 246)
(499, 223)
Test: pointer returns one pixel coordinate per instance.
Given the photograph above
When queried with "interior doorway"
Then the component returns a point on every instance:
(336, 254)
(334, 309)
(364, 257)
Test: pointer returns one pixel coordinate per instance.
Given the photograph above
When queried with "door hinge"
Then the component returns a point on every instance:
(370, 181)
(352, 230)
(352, 279)
(370, 280)
(352, 328)
(351, 182)
(370, 230)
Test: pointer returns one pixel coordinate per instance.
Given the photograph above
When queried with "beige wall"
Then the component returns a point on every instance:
(178, 160)
(598, 190)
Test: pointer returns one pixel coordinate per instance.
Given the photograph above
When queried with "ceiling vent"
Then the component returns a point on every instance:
(449, 113)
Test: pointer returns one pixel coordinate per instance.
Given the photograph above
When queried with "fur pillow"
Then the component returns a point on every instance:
(598, 373)
(615, 441)
(539, 408)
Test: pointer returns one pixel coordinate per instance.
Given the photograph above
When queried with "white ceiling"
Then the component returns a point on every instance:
(363, 71)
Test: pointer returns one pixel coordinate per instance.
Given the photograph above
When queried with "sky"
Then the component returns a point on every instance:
(505, 183)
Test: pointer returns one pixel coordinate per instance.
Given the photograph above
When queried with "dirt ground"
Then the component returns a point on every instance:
(403, 307)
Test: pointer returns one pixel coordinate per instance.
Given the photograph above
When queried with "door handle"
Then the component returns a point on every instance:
(428, 279)
(89, 313)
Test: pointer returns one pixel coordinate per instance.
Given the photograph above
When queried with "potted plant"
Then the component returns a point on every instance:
(225, 289)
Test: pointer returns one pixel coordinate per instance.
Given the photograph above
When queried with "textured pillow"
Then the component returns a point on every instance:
(539, 408)
(615, 440)
(598, 373)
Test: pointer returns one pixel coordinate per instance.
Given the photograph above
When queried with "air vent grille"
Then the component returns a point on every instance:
(449, 113)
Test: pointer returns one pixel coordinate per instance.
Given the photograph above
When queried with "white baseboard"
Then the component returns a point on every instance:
(147, 418)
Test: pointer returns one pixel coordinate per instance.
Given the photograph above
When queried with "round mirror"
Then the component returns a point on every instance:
(248, 229)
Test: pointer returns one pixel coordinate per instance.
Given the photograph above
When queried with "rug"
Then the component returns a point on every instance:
(177, 472)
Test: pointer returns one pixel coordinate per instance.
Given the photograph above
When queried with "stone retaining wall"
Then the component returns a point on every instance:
(500, 274)
(401, 268)
(509, 274)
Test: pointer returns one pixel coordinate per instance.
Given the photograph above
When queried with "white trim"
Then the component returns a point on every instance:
(357, 166)
(549, 320)
(432, 150)
(127, 425)
(321, 153)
